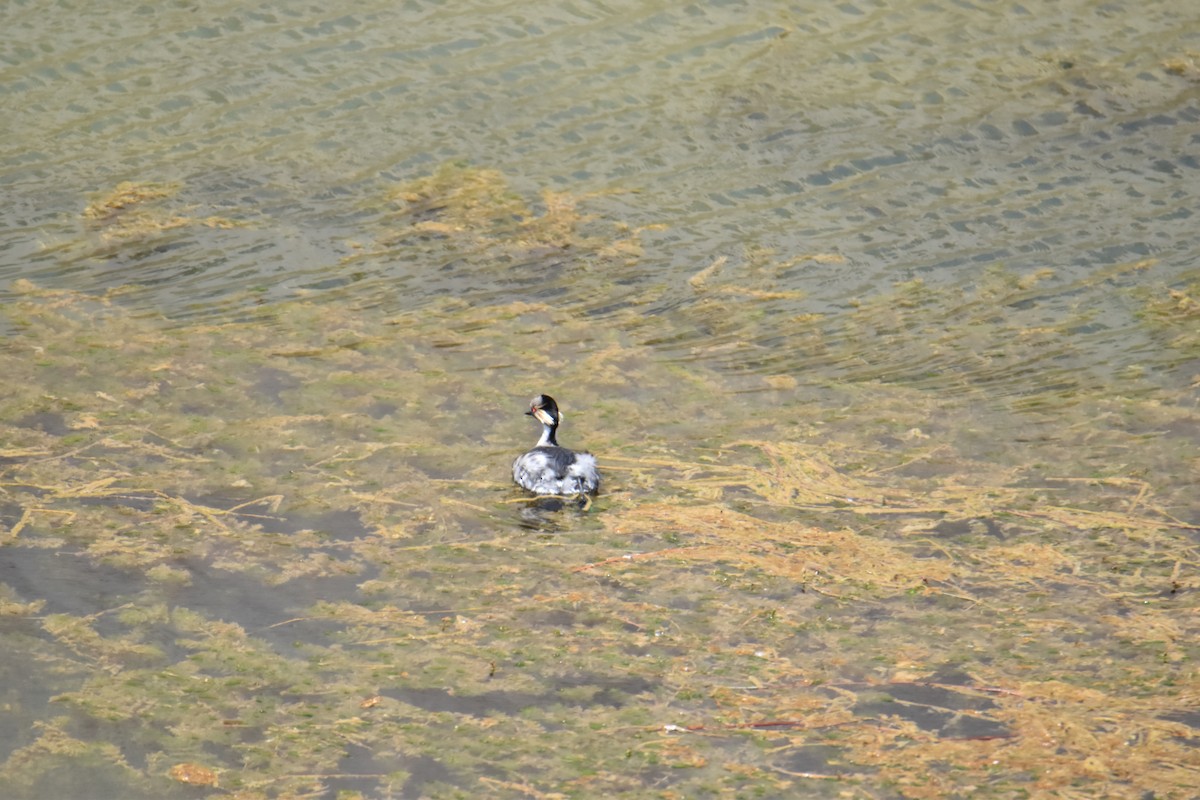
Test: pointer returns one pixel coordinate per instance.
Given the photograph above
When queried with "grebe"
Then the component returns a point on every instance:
(548, 468)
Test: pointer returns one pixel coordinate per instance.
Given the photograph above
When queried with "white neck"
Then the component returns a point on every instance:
(547, 436)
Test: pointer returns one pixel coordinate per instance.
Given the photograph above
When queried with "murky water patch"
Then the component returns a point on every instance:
(896, 139)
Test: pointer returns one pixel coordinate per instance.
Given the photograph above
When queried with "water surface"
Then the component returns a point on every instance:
(880, 318)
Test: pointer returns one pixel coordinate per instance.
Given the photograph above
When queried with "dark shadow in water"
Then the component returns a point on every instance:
(934, 708)
(235, 597)
(272, 382)
(612, 693)
(338, 524)
(422, 770)
(50, 422)
(1189, 718)
(95, 779)
(29, 688)
(135, 501)
(546, 514)
(966, 527)
(69, 583)
(10, 513)
(820, 759)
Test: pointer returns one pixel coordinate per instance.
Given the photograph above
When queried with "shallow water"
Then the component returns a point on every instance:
(881, 319)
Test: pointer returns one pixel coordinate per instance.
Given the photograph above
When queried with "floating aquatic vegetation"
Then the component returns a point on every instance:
(1185, 66)
(137, 210)
(278, 556)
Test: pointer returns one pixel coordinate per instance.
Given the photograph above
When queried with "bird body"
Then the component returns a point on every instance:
(550, 468)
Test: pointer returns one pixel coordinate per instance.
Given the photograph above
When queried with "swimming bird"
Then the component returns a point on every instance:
(549, 468)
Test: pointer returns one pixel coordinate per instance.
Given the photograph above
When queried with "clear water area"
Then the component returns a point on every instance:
(882, 321)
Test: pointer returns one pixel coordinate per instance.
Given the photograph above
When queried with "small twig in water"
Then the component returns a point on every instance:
(633, 557)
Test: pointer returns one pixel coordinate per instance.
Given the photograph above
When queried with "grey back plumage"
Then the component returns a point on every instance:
(549, 468)
(556, 470)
